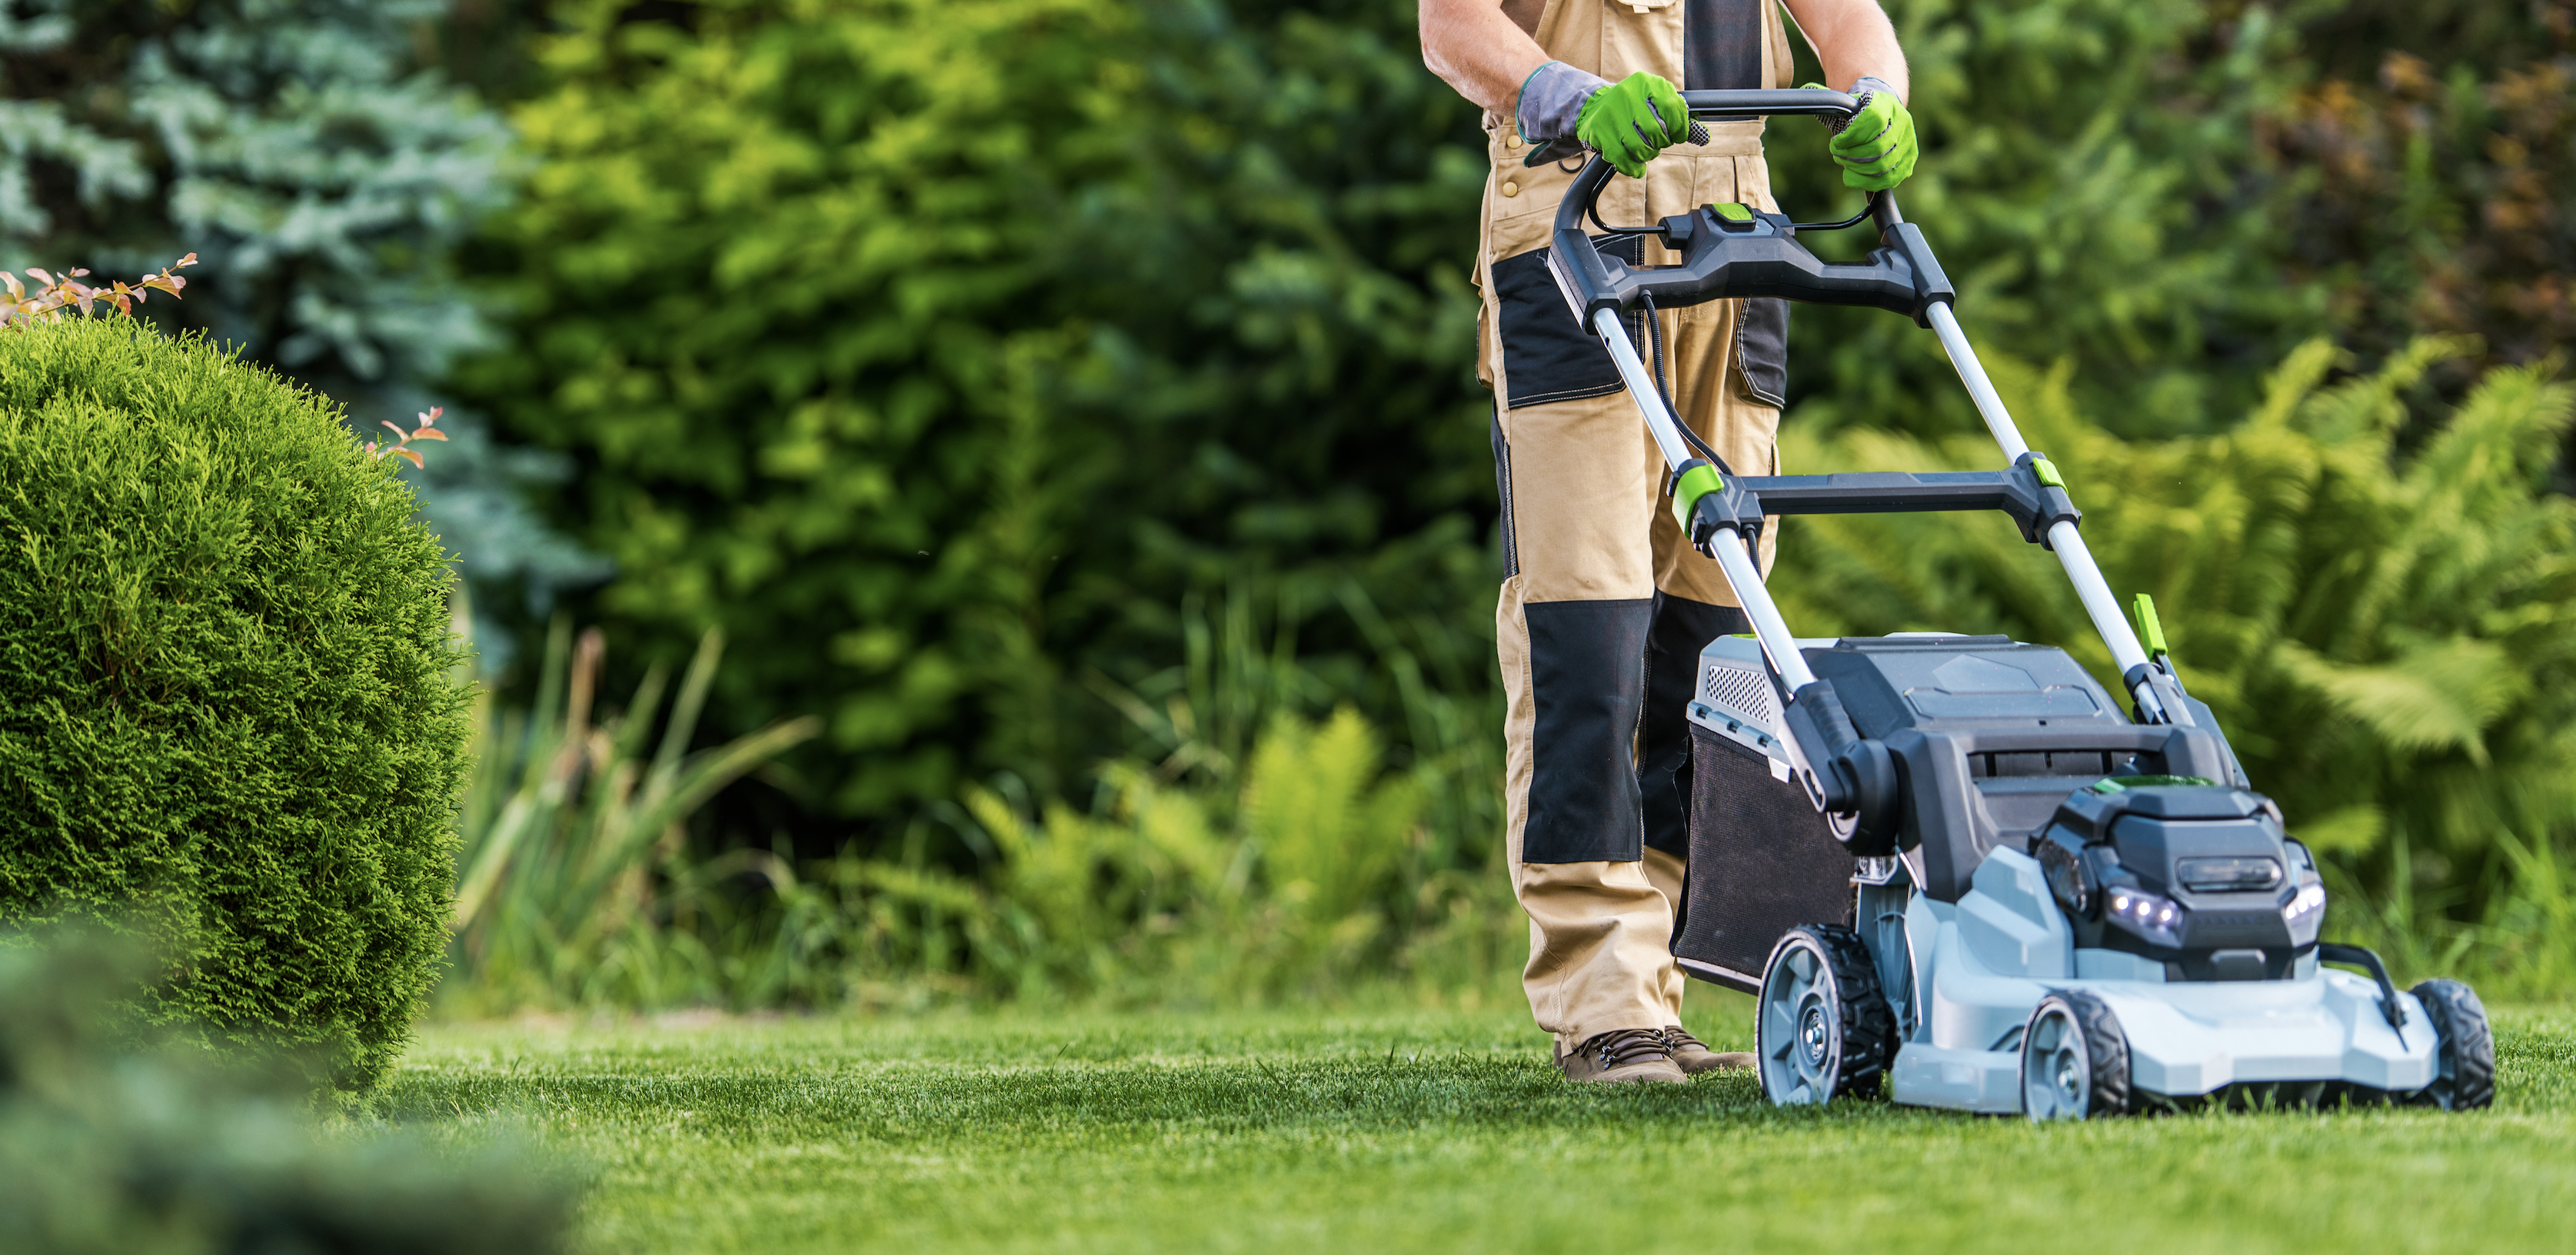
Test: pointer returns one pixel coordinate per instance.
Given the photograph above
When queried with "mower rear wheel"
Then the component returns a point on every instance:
(2463, 1047)
(2074, 1059)
(1823, 1029)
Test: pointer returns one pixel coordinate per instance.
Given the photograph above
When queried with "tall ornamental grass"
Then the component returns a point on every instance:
(575, 886)
(1261, 854)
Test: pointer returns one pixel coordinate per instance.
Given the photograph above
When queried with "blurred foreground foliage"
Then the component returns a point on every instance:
(112, 1144)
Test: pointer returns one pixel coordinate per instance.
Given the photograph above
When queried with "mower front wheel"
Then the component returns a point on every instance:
(2074, 1059)
(1824, 1028)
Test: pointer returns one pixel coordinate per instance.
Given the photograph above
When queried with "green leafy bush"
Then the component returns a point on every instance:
(2441, 196)
(2093, 182)
(938, 351)
(110, 1146)
(228, 703)
(1310, 877)
(942, 353)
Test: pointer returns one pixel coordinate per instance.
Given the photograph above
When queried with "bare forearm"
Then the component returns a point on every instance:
(1475, 48)
(1854, 40)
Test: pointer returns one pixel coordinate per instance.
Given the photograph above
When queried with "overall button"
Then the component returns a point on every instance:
(1512, 140)
(1511, 189)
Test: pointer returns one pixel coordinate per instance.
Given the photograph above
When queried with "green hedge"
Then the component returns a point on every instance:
(935, 351)
(943, 351)
(228, 706)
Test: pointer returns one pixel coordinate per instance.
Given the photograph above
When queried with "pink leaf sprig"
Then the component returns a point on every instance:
(56, 296)
(400, 445)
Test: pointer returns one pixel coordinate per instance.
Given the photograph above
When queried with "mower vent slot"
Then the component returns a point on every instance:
(2007, 764)
(1743, 692)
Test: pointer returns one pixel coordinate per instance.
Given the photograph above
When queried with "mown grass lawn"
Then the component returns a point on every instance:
(1440, 1131)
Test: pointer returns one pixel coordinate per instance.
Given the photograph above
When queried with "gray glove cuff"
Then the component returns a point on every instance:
(1862, 89)
(1552, 99)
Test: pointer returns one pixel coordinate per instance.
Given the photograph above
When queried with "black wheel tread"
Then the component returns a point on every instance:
(2106, 1044)
(2464, 1043)
(1868, 1023)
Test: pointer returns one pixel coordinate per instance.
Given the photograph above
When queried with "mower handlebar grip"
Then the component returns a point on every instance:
(1900, 276)
(1812, 102)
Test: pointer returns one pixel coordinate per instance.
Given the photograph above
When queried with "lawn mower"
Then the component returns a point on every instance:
(1957, 865)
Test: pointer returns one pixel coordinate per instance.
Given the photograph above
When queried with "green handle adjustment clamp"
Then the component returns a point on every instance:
(1694, 480)
(2150, 628)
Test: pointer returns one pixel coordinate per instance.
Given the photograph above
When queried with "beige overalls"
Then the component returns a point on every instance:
(1605, 606)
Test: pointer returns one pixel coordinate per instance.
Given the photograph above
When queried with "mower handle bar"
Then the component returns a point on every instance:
(1728, 106)
(1902, 276)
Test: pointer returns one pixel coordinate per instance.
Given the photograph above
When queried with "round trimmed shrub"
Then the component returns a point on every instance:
(231, 715)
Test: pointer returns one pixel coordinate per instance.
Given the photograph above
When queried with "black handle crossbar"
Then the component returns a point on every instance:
(1881, 492)
(1741, 252)
(2031, 492)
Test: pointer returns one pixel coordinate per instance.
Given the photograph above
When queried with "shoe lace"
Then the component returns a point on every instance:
(1621, 1047)
(1678, 1038)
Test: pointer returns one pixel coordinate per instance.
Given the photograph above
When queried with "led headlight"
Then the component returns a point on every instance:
(2306, 909)
(2152, 918)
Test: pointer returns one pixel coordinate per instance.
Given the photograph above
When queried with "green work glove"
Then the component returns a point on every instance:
(1633, 119)
(1876, 148)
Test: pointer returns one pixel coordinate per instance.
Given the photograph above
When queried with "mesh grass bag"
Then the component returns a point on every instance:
(230, 716)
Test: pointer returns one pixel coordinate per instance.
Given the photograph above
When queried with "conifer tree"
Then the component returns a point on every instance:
(324, 178)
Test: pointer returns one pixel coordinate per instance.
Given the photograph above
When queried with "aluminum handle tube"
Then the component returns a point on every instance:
(1732, 557)
(1981, 389)
(2081, 570)
(1768, 627)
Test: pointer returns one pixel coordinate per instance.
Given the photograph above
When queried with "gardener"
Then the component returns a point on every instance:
(1604, 604)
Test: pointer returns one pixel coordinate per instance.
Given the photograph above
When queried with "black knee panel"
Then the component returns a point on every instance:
(1588, 683)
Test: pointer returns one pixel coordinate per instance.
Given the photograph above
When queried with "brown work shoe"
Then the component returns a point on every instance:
(1694, 1056)
(1627, 1054)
